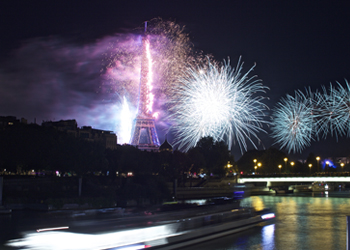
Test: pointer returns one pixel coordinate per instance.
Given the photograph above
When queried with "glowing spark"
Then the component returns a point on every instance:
(155, 115)
(217, 101)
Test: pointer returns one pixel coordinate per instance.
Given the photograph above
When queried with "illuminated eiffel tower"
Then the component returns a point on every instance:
(144, 133)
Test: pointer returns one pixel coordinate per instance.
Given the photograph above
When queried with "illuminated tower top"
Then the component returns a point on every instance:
(145, 96)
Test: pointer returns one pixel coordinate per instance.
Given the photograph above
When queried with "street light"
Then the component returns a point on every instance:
(342, 166)
(280, 166)
(285, 164)
(259, 165)
(327, 164)
(292, 164)
(318, 163)
(255, 160)
(310, 165)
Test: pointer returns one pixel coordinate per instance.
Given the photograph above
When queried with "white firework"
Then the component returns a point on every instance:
(335, 107)
(126, 117)
(293, 122)
(218, 101)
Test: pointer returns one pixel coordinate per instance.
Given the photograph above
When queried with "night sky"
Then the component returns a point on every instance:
(51, 51)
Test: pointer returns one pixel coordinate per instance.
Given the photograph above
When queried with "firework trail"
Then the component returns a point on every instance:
(218, 101)
(293, 122)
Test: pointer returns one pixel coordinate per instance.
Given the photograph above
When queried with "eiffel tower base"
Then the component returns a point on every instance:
(144, 135)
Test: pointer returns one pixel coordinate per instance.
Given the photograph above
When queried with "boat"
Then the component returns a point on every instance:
(173, 226)
(302, 188)
(320, 186)
(282, 189)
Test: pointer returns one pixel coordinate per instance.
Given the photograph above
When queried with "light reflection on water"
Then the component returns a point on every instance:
(301, 223)
(267, 235)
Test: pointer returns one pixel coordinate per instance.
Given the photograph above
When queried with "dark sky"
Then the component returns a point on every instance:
(295, 44)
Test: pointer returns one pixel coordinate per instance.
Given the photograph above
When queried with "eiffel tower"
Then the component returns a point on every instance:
(144, 133)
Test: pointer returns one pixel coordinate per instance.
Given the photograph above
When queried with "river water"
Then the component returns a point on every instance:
(303, 221)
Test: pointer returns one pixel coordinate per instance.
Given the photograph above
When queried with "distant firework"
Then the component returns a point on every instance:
(293, 122)
(218, 101)
(335, 107)
(299, 120)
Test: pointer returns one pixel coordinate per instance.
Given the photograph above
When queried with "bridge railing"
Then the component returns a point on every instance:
(316, 174)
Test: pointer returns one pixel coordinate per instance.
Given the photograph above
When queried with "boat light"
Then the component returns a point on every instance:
(268, 216)
(132, 247)
(51, 229)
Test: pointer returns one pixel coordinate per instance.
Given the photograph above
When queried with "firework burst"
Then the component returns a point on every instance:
(335, 110)
(218, 101)
(293, 122)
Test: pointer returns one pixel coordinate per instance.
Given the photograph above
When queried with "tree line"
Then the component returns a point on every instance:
(32, 147)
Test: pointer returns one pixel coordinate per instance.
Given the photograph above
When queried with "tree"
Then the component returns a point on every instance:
(210, 156)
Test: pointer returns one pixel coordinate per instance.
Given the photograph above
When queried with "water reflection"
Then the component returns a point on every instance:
(268, 235)
(302, 222)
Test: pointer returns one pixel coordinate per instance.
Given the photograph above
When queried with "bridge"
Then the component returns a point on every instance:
(284, 184)
(293, 179)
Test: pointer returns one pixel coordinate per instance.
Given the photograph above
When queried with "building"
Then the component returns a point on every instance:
(107, 138)
(166, 146)
(68, 126)
(6, 121)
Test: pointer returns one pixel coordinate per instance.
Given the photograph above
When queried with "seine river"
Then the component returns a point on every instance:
(310, 221)
(303, 221)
